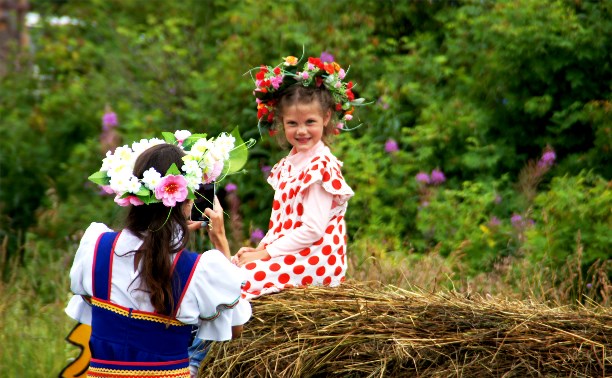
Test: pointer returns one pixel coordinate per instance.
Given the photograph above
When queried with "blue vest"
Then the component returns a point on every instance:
(129, 342)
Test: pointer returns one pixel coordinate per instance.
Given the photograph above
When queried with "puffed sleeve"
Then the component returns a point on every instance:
(80, 274)
(213, 298)
(275, 173)
(325, 170)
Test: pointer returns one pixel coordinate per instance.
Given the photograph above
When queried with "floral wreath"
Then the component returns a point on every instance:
(270, 82)
(205, 161)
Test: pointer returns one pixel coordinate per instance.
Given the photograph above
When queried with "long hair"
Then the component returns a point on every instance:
(163, 230)
(299, 94)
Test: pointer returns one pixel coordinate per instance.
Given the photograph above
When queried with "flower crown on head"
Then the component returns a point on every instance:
(270, 82)
(205, 161)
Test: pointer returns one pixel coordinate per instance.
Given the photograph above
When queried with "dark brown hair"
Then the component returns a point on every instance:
(163, 230)
(299, 94)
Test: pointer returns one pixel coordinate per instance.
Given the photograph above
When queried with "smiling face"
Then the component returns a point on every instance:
(304, 124)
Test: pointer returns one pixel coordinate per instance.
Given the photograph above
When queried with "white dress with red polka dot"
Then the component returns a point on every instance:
(323, 261)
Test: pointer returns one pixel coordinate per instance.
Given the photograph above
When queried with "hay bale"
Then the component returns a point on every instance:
(371, 330)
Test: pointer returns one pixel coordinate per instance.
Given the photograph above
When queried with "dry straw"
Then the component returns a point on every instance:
(372, 330)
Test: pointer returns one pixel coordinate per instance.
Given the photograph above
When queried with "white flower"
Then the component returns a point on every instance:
(208, 163)
(181, 135)
(223, 145)
(124, 153)
(199, 148)
(109, 161)
(194, 181)
(120, 168)
(151, 178)
(133, 185)
(120, 183)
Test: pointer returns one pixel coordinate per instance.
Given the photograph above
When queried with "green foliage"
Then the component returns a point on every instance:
(473, 88)
(473, 220)
(575, 212)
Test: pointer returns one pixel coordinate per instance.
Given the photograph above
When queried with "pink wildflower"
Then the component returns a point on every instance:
(391, 146)
(437, 177)
(422, 177)
(171, 189)
(129, 200)
(257, 235)
(216, 171)
(109, 120)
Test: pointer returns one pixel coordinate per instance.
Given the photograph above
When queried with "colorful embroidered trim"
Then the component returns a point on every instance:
(142, 315)
(106, 373)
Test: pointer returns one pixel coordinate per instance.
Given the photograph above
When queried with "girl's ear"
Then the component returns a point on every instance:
(327, 117)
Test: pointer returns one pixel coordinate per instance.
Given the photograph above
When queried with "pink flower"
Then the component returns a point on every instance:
(422, 177)
(305, 75)
(391, 146)
(107, 189)
(257, 235)
(437, 177)
(276, 81)
(129, 200)
(109, 119)
(216, 171)
(171, 189)
(231, 187)
(326, 57)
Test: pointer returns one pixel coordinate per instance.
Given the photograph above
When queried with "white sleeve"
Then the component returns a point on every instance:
(317, 209)
(80, 273)
(79, 310)
(213, 298)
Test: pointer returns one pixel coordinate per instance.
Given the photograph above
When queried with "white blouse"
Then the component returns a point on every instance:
(216, 282)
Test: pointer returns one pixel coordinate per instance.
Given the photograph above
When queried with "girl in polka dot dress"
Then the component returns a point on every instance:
(306, 240)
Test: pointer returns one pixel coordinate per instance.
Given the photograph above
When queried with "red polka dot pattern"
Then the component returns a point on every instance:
(284, 278)
(275, 267)
(299, 269)
(323, 262)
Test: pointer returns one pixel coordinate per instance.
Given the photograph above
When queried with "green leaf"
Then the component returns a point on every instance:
(190, 141)
(239, 155)
(100, 178)
(173, 170)
(169, 137)
(149, 199)
(143, 192)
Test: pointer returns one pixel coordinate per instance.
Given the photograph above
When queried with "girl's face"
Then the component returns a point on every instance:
(304, 124)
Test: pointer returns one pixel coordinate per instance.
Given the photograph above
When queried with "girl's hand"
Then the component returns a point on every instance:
(195, 225)
(216, 228)
(247, 254)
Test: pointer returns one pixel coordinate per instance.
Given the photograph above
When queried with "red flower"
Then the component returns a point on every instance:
(329, 68)
(262, 112)
(349, 86)
(338, 107)
(270, 117)
(262, 73)
(272, 132)
(319, 81)
(350, 95)
(277, 71)
(316, 61)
